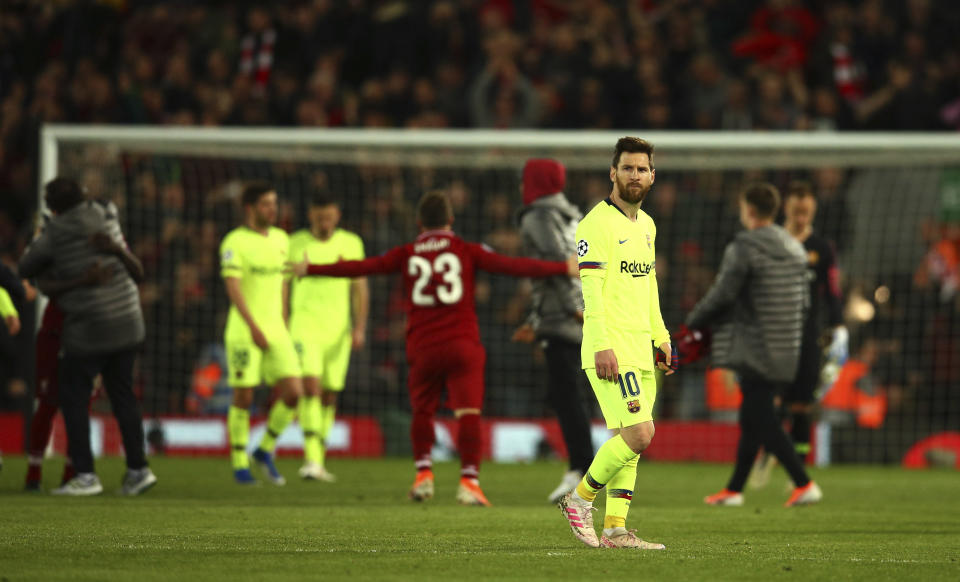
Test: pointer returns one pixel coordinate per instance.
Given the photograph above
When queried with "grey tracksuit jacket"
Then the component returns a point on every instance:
(98, 319)
(756, 305)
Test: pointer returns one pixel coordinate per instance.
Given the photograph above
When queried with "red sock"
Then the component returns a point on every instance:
(40, 427)
(422, 435)
(469, 445)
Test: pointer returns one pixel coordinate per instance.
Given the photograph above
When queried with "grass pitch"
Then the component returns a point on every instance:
(874, 524)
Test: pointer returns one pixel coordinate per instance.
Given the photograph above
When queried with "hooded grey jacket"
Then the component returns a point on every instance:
(549, 226)
(98, 319)
(756, 305)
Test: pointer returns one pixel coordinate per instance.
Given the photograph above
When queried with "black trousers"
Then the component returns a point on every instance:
(563, 393)
(76, 384)
(759, 425)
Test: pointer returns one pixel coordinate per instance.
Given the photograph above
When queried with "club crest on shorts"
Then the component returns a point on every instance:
(633, 406)
(582, 247)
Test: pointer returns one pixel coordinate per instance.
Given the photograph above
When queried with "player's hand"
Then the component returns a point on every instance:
(606, 363)
(97, 274)
(573, 266)
(667, 358)
(259, 338)
(13, 324)
(358, 338)
(103, 243)
(297, 269)
(523, 334)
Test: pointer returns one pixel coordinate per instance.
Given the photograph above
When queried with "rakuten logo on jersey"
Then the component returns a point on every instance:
(636, 268)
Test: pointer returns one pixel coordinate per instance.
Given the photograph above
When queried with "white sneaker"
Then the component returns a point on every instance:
(621, 538)
(316, 472)
(580, 518)
(567, 484)
(806, 495)
(136, 481)
(82, 485)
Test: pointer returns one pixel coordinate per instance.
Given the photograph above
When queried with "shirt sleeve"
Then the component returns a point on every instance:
(657, 327)
(6, 304)
(516, 266)
(725, 289)
(593, 250)
(389, 262)
(38, 257)
(231, 264)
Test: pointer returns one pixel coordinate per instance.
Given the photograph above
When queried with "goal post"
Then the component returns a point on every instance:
(890, 202)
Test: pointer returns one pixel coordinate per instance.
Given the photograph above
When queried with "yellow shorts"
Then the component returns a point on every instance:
(249, 366)
(628, 401)
(324, 357)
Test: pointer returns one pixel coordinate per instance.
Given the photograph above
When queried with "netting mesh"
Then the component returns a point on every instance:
(893, 217)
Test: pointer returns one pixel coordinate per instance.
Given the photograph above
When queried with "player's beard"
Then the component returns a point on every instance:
(263, 221)
(632, 193)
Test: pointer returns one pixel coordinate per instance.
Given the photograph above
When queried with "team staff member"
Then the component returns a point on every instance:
(103, 329)
(548, 223)
(755, 308)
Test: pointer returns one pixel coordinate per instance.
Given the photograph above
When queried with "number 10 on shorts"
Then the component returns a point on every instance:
(629, 385)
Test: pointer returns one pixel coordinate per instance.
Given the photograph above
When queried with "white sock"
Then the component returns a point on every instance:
(578, 499)
(612, 532)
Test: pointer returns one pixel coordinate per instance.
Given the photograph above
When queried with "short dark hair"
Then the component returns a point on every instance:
(633, 145)
(434, 210)
(762, 197)
(323, 199)
(254, 190)
(62, 194)
(800, 189)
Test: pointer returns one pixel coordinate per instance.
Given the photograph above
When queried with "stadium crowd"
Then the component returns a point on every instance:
(648, 65)
(668, 64)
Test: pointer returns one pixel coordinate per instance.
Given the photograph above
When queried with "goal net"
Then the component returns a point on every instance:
(890, 203)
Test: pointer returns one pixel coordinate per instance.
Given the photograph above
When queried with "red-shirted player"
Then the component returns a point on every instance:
(443, 338)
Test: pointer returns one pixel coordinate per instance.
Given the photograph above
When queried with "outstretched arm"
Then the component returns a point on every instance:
(519, 266)
(388, 262)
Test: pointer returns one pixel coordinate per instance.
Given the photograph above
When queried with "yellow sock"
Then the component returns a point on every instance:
(327, 415)
(238, 428)
(280, 417)
(310, 423)
(619, 494)
(612, 456)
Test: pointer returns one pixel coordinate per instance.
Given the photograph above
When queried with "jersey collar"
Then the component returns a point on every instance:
(427, 233)
(609, 201)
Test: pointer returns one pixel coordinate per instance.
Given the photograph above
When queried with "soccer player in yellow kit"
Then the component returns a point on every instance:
(259, 347)
(622, 323)
(328, 318)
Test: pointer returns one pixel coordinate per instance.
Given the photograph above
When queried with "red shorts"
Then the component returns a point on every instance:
(48, 354)
(457, 365)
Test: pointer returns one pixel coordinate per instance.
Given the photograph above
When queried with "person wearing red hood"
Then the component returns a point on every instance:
(548, 223)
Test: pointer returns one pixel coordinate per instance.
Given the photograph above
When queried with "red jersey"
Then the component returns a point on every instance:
(52, 321)
(439, 269)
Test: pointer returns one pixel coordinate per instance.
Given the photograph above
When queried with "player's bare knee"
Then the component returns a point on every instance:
(638, 437)
(460, 412)
(242, 397)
